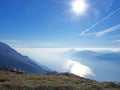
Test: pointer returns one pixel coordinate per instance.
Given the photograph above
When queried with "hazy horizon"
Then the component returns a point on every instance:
(63, 60)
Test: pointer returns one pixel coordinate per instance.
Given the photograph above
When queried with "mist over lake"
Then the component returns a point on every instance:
(97, 64)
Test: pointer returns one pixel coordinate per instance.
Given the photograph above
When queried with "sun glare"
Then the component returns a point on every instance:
(78, 68)
(79, 6)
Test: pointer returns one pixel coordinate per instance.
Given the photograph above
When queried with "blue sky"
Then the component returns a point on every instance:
(52, 23)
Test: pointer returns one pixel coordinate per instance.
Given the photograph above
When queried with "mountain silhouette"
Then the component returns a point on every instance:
(11, 58)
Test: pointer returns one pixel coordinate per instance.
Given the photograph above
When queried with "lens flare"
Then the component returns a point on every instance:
(79, 6)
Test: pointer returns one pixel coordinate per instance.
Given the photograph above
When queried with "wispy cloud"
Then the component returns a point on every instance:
(104, 32)
(13, 43)
(117, 41)
(102, 20)
(10, 41)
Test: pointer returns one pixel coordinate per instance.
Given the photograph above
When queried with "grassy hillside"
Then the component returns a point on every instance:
(63, 81)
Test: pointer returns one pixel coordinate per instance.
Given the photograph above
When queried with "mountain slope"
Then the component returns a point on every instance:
(11, 58)
(61, 81)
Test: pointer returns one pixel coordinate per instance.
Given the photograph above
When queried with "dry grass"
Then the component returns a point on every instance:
(13, 81)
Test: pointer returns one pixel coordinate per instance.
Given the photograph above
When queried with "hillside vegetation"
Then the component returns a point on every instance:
(62, 81)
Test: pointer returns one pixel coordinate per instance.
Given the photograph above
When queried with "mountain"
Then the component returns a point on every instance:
(84, 53)
(11, 58)
(87, 53)
(95, 55)
(110, 56)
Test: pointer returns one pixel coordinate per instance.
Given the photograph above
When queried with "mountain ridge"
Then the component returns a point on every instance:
(11, 58)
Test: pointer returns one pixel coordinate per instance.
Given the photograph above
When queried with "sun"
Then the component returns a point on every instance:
(79, 6)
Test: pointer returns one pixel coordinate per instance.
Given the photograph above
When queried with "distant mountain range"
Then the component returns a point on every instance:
(96, 55)
(11, 58)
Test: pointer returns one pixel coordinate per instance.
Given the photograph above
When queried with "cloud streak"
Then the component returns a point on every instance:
(117, 41)
(111, 29)
(102, 20)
